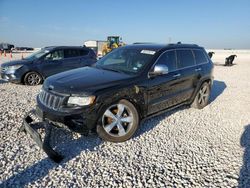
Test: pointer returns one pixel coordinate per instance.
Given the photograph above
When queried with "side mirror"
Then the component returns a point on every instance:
(159, 69)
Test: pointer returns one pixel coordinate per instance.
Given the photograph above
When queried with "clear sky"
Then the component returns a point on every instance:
(210, 23)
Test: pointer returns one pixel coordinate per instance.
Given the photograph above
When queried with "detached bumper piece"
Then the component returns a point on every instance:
(44, 144)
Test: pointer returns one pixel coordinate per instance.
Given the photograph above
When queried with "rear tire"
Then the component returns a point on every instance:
(119, 122)
(32, 79)
(202, 97)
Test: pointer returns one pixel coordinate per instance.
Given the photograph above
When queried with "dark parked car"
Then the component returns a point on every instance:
(127, 85)
(6, 47)
(33, 69)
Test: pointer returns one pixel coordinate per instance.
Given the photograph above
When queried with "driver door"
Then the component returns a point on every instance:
(163, 89)
(52, 63)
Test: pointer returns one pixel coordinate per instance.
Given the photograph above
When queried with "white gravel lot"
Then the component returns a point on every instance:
(182, 148)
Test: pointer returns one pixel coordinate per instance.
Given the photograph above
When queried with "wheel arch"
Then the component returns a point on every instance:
(129, 99)
(136, 105)
(208, 80)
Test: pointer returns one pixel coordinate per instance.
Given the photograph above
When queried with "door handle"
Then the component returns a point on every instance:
(198, 69)
(177, 75)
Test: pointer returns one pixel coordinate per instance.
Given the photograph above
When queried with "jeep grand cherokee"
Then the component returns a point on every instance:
(130, 83)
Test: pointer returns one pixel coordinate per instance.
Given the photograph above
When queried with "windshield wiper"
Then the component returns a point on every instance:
(114, 70)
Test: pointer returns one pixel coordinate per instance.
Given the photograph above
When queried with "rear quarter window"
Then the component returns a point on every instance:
(185, 58)
(200, 57)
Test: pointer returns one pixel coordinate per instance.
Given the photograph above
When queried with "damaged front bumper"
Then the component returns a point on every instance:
(28, 127)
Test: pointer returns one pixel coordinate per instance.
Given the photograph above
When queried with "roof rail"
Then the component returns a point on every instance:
(183, 44)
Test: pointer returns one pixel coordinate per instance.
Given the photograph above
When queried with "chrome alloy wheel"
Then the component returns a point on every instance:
(117, 120)
(33, 79)
(203, 95)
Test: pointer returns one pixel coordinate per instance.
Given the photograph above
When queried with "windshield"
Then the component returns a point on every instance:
(37, 55)
(126, 60)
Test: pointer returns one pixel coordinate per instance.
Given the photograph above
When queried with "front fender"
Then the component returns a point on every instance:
(134, 94)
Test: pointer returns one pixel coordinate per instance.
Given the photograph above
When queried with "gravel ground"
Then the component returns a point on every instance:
(182, 148)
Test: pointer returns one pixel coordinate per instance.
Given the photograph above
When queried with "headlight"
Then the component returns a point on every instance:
(81, 101)
(14, 67)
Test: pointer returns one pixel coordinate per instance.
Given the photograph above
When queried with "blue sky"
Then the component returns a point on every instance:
(210, 23)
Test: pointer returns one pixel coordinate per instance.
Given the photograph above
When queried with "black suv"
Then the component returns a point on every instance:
(33, 69)
(130, 83)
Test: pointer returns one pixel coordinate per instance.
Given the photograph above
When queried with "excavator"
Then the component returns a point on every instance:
(112, 43)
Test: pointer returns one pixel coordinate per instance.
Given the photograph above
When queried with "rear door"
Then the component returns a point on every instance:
(163, 89)
(71, 58)
(52, 63)
(189, 73)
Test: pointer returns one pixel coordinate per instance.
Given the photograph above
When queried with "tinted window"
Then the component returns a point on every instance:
(56, 55)
(71, 53)
(168, 58)
(185, 58)
(84, 52)
(199, 56)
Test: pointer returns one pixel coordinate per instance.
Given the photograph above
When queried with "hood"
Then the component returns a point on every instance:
(16, 62)
(86, 80)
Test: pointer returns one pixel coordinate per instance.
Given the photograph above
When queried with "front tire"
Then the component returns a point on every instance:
(32, 79)
(202, 96)
(119, 122)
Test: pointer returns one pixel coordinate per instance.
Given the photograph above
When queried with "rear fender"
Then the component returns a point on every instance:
(206, 79)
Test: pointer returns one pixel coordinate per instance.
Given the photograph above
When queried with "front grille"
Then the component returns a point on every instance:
(51, 100)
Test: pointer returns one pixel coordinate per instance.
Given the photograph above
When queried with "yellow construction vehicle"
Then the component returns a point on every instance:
(112, 43)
